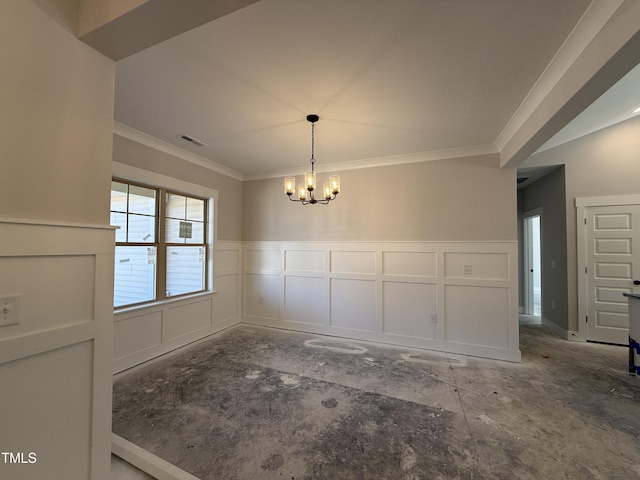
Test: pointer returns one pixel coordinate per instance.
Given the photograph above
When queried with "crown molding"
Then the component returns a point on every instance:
(383, 161)
(595, 18)
(153, 142)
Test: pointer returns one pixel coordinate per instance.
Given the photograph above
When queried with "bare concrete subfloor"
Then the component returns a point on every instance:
(256, 403)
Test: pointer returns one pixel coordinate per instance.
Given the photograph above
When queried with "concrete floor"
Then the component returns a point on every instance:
(256, 403)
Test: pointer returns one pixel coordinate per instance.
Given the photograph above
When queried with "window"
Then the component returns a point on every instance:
(161, 245)
(185, 244)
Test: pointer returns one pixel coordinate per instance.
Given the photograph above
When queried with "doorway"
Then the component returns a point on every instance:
(532, 234)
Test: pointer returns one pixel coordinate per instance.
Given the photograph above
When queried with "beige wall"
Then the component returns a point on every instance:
(56, 117)
(603, 163)
(446, 200)
(230, 190)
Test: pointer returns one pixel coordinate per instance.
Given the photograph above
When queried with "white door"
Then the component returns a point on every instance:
(612, 268)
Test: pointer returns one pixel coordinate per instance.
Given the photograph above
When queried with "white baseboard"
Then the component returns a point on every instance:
(396, 340)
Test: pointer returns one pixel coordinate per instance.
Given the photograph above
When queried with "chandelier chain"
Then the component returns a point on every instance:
(313, 140)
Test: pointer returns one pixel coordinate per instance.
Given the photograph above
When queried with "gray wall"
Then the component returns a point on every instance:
(548, 193)
(230, 190)
(447, 200)
(601, 164)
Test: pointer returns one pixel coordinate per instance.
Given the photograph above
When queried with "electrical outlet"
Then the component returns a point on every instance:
(261, 300)
(9, 310)
(466, 269)
(434, 318)
(553, 304)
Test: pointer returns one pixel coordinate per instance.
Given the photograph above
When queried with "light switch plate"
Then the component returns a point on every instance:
(9, 310)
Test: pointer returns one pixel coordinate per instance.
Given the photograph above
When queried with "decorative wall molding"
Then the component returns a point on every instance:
(458, 297)
(61, 347)
(416, 294)
(146, 332)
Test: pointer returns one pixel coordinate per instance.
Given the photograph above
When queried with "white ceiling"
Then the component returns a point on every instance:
(386, 77)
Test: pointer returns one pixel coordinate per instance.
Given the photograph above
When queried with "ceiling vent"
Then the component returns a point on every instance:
(190, 139)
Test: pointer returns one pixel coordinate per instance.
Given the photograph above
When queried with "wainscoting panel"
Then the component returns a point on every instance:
(474, 265)
(65, 374)
(458, 297)
(44, 282)
(353, 304)
(486, 323)
(420, 264)
(142, 333)
(185, 318)
(263, 259)
(353, 261)
(409, 309)
(304, 300)
(137, 334)
(304, 260)
(226, 260)
(263, 295)
(226, 303)
(55, 364)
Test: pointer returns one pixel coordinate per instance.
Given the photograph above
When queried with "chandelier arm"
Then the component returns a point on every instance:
(300, 201)
(312, 200)
(327, 200)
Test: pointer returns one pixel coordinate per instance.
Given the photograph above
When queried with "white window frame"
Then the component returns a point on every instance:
(125, 172)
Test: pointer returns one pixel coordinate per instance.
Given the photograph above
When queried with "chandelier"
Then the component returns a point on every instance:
(306, 190)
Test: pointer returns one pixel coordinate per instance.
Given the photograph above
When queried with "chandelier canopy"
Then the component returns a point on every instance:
(306, 195)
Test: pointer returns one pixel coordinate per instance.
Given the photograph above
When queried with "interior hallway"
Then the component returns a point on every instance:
(257, 403)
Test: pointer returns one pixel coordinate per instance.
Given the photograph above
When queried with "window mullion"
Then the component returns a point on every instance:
(126, 233)
(186, 202)
(161, 270)
(205, 238)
